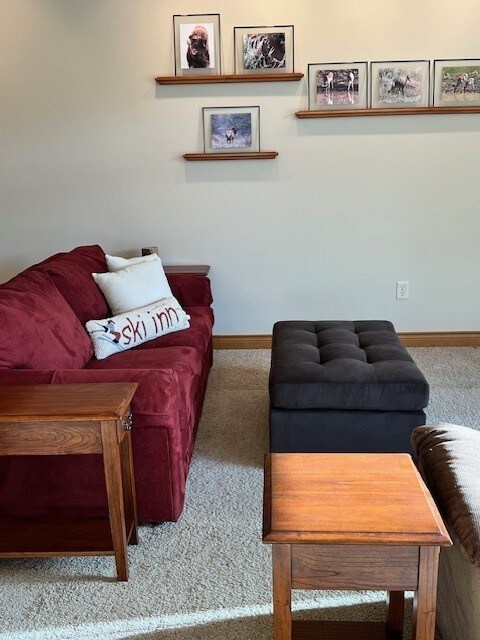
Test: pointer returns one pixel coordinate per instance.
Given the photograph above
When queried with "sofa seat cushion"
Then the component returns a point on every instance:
(26, 376)
(343, 365)
(72, 275)
(198, 335)
(183, 359)
(449, 458)
(38, 328)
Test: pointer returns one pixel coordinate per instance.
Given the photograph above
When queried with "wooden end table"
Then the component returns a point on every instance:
(190, 269)
(352, 521)
(38, 420)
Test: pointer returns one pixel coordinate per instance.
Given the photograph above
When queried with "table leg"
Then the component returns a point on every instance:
(282, 592)
(425, 600)
(396, 610)
(113, 481)
(128, 482)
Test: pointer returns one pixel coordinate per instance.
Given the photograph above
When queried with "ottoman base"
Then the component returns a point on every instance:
(342, 431)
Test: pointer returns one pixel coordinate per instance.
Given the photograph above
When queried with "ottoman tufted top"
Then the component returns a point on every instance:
(343, 365)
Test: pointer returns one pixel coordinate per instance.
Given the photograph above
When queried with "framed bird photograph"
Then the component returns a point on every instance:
(231, 129)
(197, 44)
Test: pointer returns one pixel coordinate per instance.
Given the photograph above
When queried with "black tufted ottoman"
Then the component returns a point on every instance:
(343, 387)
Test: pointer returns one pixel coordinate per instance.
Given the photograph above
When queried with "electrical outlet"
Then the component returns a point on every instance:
(402, 290)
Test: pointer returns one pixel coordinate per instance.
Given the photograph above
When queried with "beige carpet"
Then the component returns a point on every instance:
(208, 576)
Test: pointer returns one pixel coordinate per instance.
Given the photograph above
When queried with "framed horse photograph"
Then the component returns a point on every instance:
(231, 129)
(197, 44)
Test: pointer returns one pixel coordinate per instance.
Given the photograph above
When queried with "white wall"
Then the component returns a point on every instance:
(90, 151)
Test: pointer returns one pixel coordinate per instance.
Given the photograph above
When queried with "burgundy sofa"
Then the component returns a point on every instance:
(43, 340)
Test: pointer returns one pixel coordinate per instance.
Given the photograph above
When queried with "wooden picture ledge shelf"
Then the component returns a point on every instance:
(254, 155)
(400, 111)
(230, 78)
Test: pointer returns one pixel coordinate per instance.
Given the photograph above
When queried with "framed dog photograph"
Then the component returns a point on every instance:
(400, 84)
(231, 129)
(197, 44)
(263, 49)
(337, 85)
(456, 82)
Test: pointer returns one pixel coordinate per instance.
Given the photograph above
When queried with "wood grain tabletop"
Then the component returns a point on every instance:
(348, 499)
(95, 401)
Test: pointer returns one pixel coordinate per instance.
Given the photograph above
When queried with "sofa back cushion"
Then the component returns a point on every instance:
(71, 273)
(39, 330)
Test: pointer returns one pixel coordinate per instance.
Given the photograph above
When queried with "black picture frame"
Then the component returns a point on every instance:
(426, 82)
(238, 52)
(181, 19)
(255, 145)
(467, 98)
(363, 94)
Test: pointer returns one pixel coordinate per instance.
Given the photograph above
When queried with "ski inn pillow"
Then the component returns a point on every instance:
(127, 330)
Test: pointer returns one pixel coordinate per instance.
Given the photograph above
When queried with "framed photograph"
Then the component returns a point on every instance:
(263, 49)
(456, 82)
(400, 84)
(197, 44)
(337, 85)
(231, 129)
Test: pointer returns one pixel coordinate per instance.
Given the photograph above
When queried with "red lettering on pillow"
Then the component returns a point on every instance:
(171, 310)
(135, 329)
(125, 332)
(162, 315)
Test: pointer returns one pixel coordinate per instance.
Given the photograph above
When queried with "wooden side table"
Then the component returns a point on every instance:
(352, 521)
(191, 269)
(73, 419)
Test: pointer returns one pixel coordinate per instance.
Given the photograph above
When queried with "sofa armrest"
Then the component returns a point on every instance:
(449, 459)
(157, 400)
(191, 290)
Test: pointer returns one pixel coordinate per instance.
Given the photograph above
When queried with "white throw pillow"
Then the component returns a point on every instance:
(127, 330)
(134, 287)
(114, 263)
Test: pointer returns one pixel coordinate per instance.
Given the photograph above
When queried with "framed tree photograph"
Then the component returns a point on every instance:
(456, 82)
(197, 44)
(231, 129)
(337, 85)
(400, 84)
(263, 49)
